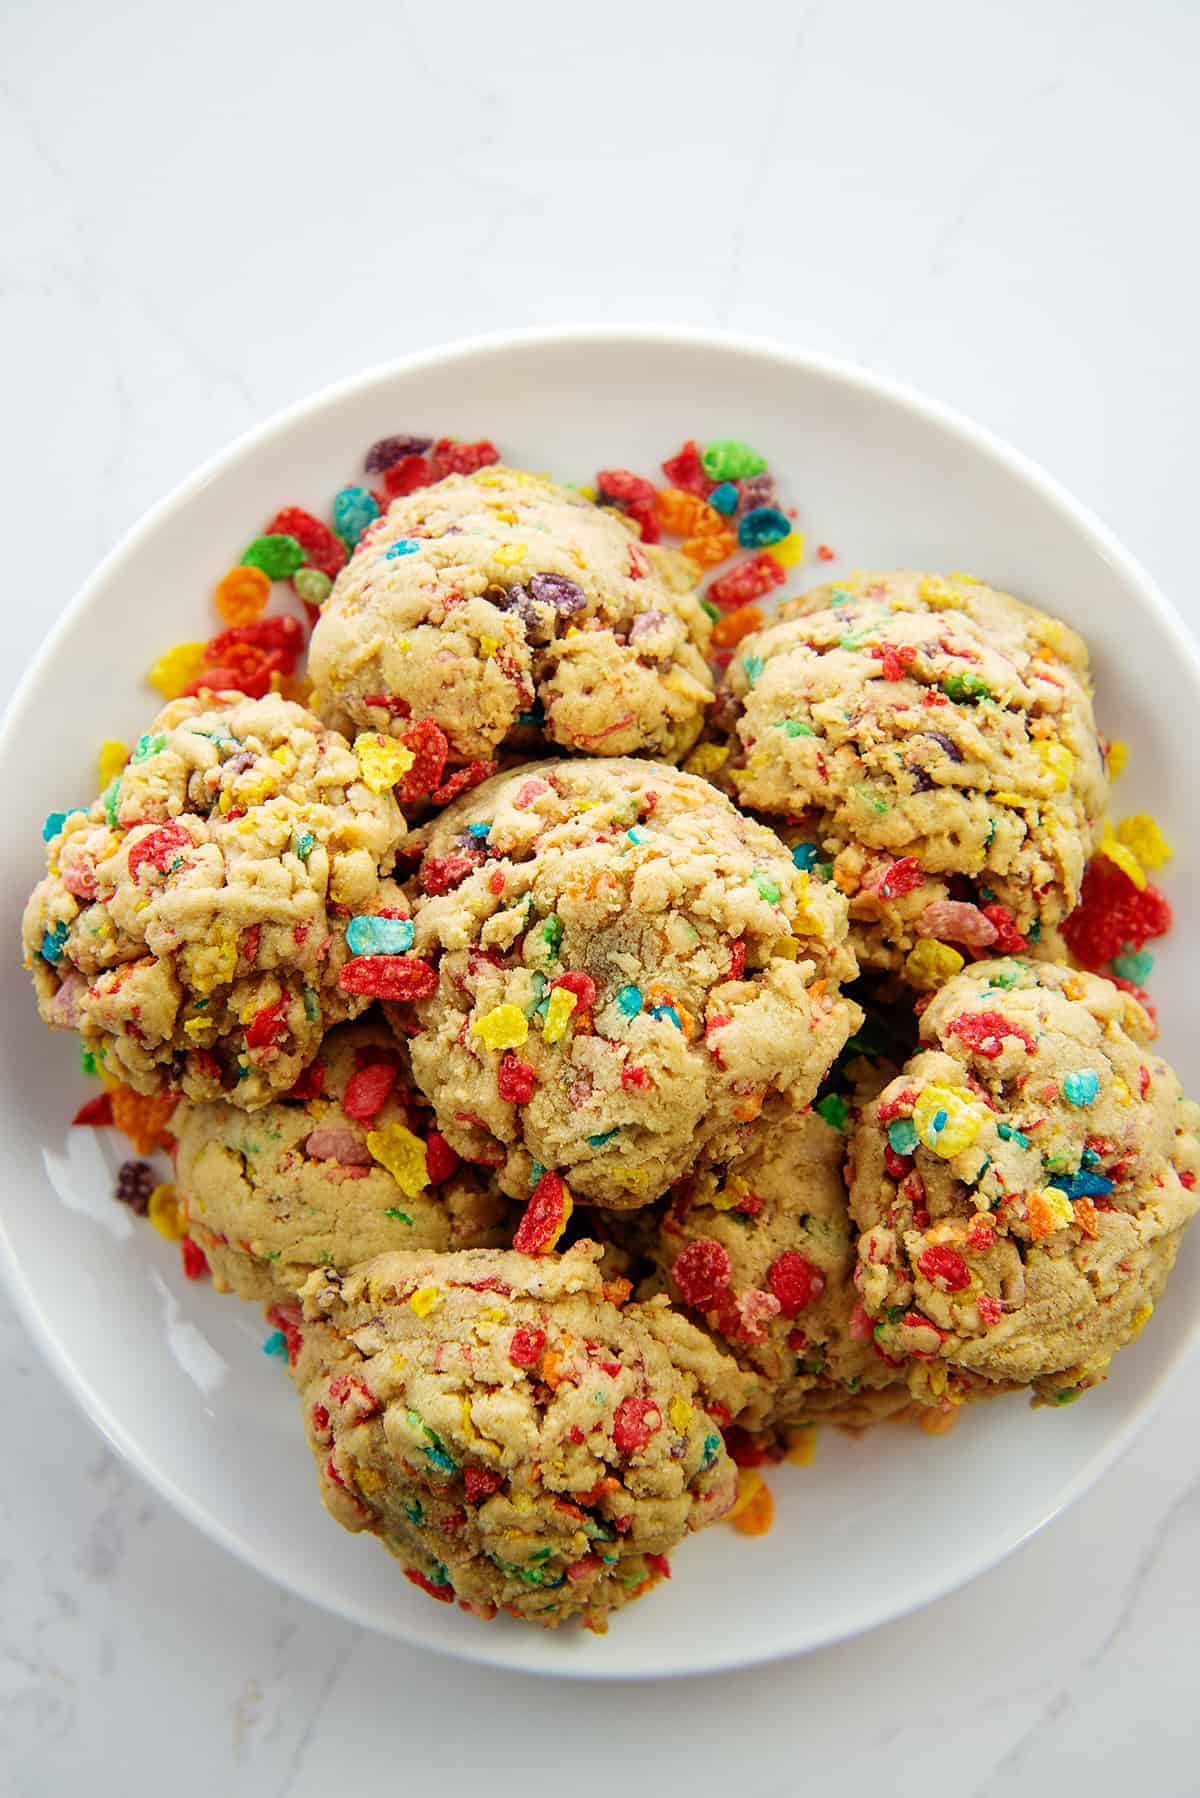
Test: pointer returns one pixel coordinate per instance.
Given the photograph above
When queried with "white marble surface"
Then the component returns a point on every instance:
(208, 211)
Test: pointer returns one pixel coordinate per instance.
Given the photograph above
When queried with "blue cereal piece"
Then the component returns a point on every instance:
(630, 1001)
(805, 856)
(54, 825)
(724, 499)
(1081, 1086)
(1081, 1185)
(276, 1345)
(54, 942)
(403, 546)
(379, 936)
(763, 525)
(902, 1135)
(353, 510)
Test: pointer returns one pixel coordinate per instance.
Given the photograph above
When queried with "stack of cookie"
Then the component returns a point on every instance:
(578, 1116)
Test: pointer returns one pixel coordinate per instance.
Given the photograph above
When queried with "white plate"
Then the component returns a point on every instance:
(174, 1375)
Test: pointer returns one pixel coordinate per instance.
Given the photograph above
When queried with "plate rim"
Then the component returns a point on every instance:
(632, 334)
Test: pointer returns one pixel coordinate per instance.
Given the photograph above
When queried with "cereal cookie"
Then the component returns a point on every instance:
(192, 922)
(516, 1439)
(934, 740)
(1022, 1187)
(497, 601)
(344, 1170)
(627, 968)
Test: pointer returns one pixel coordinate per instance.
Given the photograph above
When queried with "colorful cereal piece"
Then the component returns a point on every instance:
(795, 1281)
(558, 1014)
(388, 977)
(985, 1033)
(176, 668)
(324, 551)
(763, 526)
(403, 1155)
(135, 1182)
(277, 554)
(163, 1211)
(930, 964)
(193, 1259)
(368, 1090)
(354, 510)
(944, 1268)
(946, 1121)
(382, 760)
(372, 935)
(729, 459)
(686, 470)
(143, 1119)
(312, 587)
(111, 760)
(242, 594)
(745, 581)
(702, 1271)
(545, 1217)
(1141, 835)
(504, 1027)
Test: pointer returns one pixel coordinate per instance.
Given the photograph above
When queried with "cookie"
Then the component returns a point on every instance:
(498, 604)
(192, 922)
(1023, 1185)
(627, 968)
(516, 1440)
(933, 740)
(346, 1170)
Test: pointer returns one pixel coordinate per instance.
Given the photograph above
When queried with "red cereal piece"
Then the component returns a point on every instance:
(444, 1594)
(582, 985)
(354, 1397)
(195, 1261)
(635, 1079)
(544, 1218)
(896, 662)
(481, 1482)
(795, 1281)
(623, 484)
(98, 1111)
(745, 581)
(646, 518)
(1009, 940)
(742, 1448)
(462, 780)
(894, 879)
(440, 1159)
(686, 471)
(442, 873)
(429, 744)
(981, 1233)
(658, 1564)
(824, 553)
(406, 475)
(900, 1106)
(388, 977)
(286, 1318)
(944, 1268)
(984, 1032)
(282, 633)
(894, 1164)
(702, 1271)
(462, 458)
(515, 1079)
(635, 1420)
(990, 1310)
(367, 1091)
(310, 1085)
(1112, 916)
(322, 547)
(267, 1026)
(525, 1349)
(160, 848)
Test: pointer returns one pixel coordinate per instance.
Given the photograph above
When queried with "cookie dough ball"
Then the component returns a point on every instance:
(934, 740)
(192, 923)
(346, 1169)
(516, 1440)
(497, 600)
(627, 968)
(1023, 1185)
(762, 1253)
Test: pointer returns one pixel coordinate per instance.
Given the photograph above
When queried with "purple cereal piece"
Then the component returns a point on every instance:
(390, 450)
(557, 591)
(755, 490)
(951, 748)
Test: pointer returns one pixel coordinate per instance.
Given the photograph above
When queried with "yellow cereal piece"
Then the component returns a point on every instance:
(1047, 1211)
(787, 948)
(706, 758)
(960, 574)
(369, 1479)
(464, 1404)
(176, 669)
(509, 554)
(489, 646)
(286, 757)
(936, 593)
(382, 760)
(1124, 858)
(587, 490)
(1007, 798)
(200, 1028)
(558, 1014)
(1121, 1092)
(749, 1484)
(931, 964)
(1140, 834)
(403, 1155)
(680, 1413)
(1139, 1320)
(1117, 758)
(945, 1120)
(163, 1212)
(504, 1027)
(789, 551)
(1057, 761)
(424, 1301)
(212, 963)
(111, 760)
(753, 1509)
(801, 1445)
(730, 1196)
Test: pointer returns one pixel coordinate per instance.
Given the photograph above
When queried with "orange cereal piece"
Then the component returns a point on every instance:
(685, 514)
(242, 594)
(709, 550)
(735, 625)
(142, 1119)
(755, 1517)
